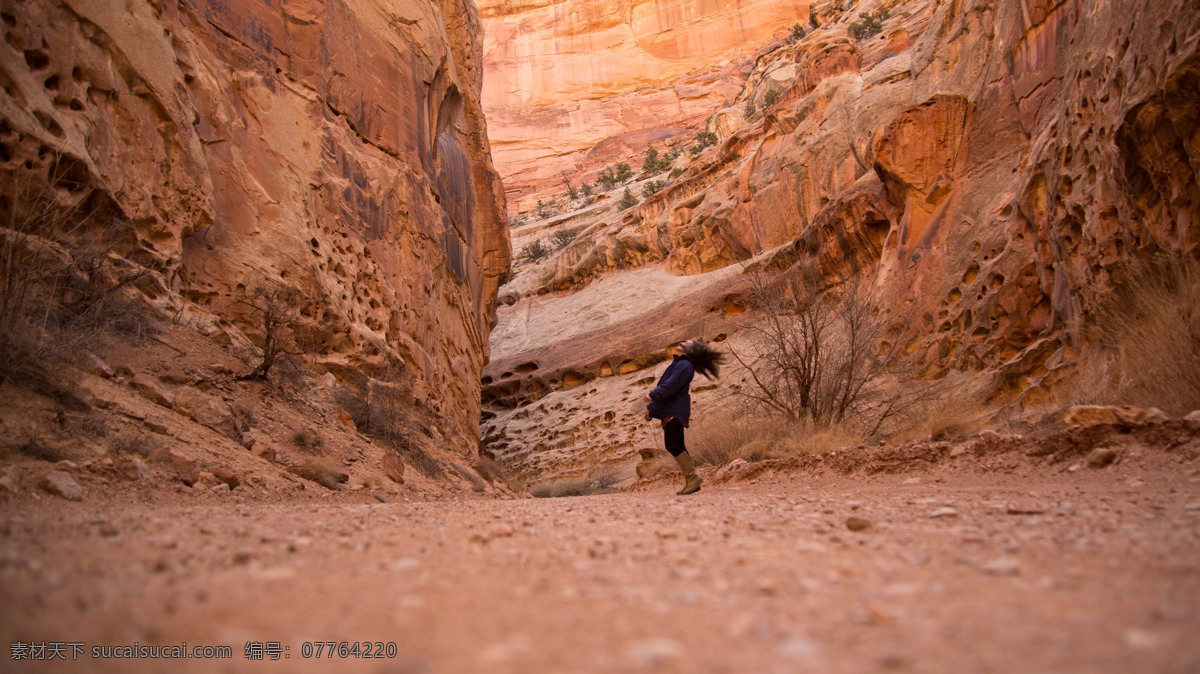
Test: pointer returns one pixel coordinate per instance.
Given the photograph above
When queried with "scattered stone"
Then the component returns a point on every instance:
(1142, 640)
(798, 648)
(60, 484)
(152, 390)
(8, 483)
(1024, 510)
(242, 557)
(1194, 416)
(134, 468)
(344, 418)
(1001, 566)
(1155, 415)
(382, 498)
(322, 470)
(220, 488)
(67, 465)
(654, 653)
(263, 451)
(731, 468)
(207, 411)
(393, 466)
(944, 512)
(156, 426)
(857, 524)
(93, 365)
(226, 476)
(1192, 507)
(404, 564)
(1095, 415)
(100, 402)
(185, 469)
(958, 451)
(1101, 457)
(912, 480)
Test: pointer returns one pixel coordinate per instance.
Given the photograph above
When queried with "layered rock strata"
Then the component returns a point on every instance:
(572, 86)
(987, 169)
(335, 150)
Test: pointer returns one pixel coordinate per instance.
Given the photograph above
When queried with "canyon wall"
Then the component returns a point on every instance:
(336, 150)
(571, 86)
(987, 170)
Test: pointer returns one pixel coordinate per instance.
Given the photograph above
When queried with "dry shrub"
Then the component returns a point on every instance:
(1149, 331)
(722, 439)
(323, 470)
(477, 483)
(817, 356)
(129, 443)
(604, 481)
(390, 420)
(34, 448)
(307, 440)
(94, 426)
(355, 406)
(489, 469)
(66, 270)
(276, 312)
(243, 417)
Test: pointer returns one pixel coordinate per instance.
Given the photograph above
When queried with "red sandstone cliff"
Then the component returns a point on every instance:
(988, 169)
(574, 85)
(337, 149)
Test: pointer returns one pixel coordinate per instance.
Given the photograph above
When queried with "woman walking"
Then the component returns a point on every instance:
(671, 403)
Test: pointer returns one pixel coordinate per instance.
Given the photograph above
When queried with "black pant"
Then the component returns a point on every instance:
(673, 437)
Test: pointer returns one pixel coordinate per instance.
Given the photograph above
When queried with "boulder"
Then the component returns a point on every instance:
(207, 411)
(393, 467)
(152, 389)
(185, 469)
(60, 484)
(1095, 415)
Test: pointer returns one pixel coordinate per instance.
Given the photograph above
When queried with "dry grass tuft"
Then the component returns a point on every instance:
(946, 423)
(722, 439)
(1149, 331)
(128, 443)
(323, 470)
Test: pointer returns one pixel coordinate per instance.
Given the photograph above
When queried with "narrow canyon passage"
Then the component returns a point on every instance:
(944, 572)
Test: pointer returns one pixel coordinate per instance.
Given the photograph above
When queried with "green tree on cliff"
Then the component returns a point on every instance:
(627, 200)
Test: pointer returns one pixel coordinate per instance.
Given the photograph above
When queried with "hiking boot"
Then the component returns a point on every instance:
(689, 473)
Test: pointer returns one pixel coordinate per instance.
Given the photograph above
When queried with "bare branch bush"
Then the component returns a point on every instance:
(817, 358)
(61, 275)
(382, 408)
(277, 312)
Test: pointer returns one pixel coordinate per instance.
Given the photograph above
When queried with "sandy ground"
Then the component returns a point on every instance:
(1025, 568)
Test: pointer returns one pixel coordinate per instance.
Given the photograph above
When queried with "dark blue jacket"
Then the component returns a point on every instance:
(670, 398)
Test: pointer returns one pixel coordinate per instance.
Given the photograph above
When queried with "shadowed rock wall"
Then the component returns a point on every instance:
(336, 148)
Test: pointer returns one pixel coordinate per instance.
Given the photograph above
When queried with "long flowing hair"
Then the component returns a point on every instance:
(705, 359)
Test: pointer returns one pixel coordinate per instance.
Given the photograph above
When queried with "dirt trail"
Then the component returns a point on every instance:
(1031, 568)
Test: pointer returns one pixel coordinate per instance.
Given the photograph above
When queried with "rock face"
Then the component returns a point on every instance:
(330, 149)
(564, 75)
(987, 168)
